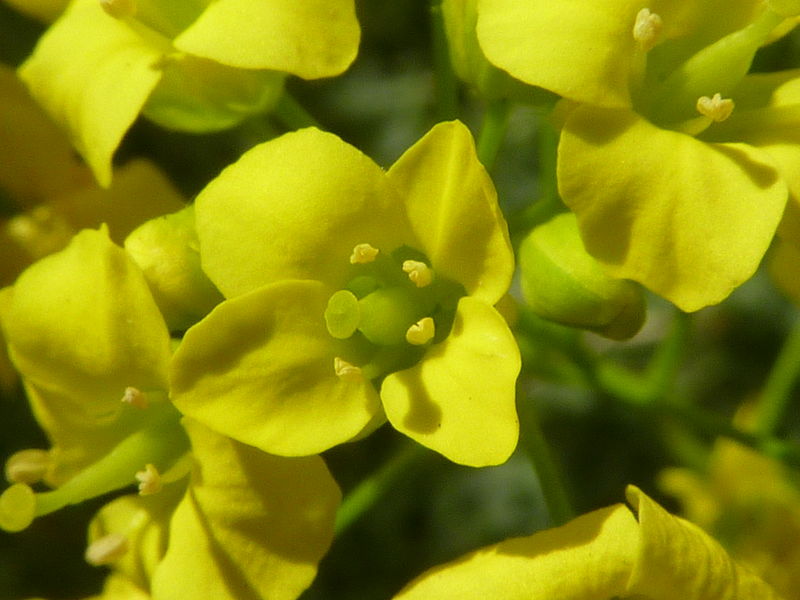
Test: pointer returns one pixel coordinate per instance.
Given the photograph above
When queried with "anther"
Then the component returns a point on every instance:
(647, 29)
(149, 480)
(363, 254)
(418, 272)
(135, 397)
(119, 9)
(106, 549)
(346, 371)
(27, 466)
(421, 332)
(716, 108)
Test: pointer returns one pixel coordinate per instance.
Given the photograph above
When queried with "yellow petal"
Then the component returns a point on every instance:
(294, 208)
(589, 558)
(313, 38)
(459, 399)
(260, 368)
(250, 524)
(608, 553)
(93, 74)
(36, 158)
(677, 559)
(582, 50)
(81, 327)
(689, 220)
(452, 206)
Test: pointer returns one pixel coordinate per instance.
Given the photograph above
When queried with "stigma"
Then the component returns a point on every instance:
(363, 254)
(647, 29)
(421, 332)
(418, 272)
(716, 108)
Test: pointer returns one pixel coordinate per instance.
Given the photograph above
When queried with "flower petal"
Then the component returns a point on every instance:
(588, 558)
(459, 399)
(294, 208)
(677, 559)
(260, 368)
(83, 322)
(81, 327)
(689, 220)
(36, 158)
(93, 74)
(580, 49)
(313, 38)
(251, 525)
(603, 554)
(452, 206)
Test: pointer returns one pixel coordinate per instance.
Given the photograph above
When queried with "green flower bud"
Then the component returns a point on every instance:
(166, 249)
(563, 283)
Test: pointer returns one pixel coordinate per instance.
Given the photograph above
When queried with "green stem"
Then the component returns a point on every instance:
(779, 385)
(493, 131)
(446, 80)
(547, 469)
(369, 491)
(292, 115)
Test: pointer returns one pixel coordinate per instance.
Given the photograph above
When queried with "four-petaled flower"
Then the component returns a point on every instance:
(651, 157)
(354, 295)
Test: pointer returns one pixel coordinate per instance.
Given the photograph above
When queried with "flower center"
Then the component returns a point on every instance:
(391, 309)
(666, 91)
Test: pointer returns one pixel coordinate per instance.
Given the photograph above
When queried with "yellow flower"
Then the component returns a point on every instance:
(676, 162)
(187, 64)
(225, 520)
(354, 295)
(639, 552)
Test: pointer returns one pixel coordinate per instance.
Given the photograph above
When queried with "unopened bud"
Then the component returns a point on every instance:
(563, 283)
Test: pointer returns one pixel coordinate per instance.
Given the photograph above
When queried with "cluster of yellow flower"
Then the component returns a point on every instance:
(208, 352)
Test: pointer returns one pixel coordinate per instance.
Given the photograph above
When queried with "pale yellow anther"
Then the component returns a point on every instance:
(418, 272)
(106, 549)
(40, 231)
(363, 254)
(346, 371)
(716, 108)
(27, 466)
(119, 9)
(647, 29)
(135, 397)
(421, 332)
(149, 480)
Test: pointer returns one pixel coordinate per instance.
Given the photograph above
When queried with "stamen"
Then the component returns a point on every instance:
(346, 371)
(119, 9)
(134, 397)
(27, 466)
(421, 332)
(149, 480)
(106, 549)
(716, 108)
(40, 231)
(363, 254)
(418, 272)
(647, 29)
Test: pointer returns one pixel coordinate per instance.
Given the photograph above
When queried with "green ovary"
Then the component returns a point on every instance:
(378, 306)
